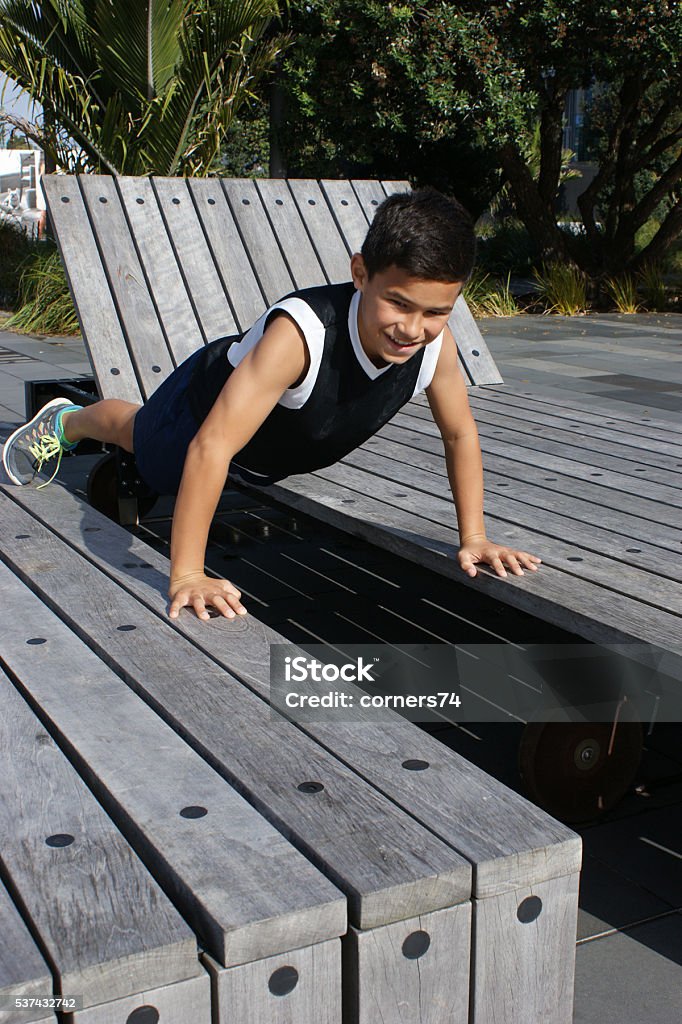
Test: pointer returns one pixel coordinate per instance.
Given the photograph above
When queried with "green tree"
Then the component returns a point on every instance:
(136, 86)
(469, 82)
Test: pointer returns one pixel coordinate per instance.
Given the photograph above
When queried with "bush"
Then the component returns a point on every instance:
(487, 297)
(46, 306)
(508, 249)
(623, 292)
(563, 288)
(15, 248)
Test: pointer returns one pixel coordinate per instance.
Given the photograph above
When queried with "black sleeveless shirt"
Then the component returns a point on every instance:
(343, 403)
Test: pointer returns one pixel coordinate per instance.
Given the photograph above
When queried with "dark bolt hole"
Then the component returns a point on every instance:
(139, 200)
(633, 551)
(103, 199)
(283, 981)
(211, 202)
(60, 839)
(37, 640)
(344, 202)
(310, 787)
(115, 371)
(91, 529)
(415, 945)
(176, 201)
(311, 202)
(65, 199)
(415, 765)
(375, 202)
(475, 352)
(193, 811)
(143, 1015)
(574, 558)
(156, 369)
(279, 202)
(125, 629)
(529, 909)
(246, 202)
(22, 536)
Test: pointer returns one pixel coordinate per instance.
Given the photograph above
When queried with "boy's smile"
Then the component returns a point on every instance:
(399, 314)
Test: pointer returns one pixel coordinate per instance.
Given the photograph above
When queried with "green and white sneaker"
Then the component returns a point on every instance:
(29, 448)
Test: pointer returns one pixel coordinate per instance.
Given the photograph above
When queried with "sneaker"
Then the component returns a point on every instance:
(29, 448)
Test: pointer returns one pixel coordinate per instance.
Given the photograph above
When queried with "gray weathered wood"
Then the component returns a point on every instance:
(241, 886)
(512, 843)
(23, 971)
(540, 953)
(256, 232)
(301, 260)
(412, 872)
(146, 341)
(370, 195)
(347, 212)
(386, 981)
(194, 258)
(166, 284)
(245, 994)
(106, 925)
(332, 251)
(184, 1001)
(232, 261)
(102, 333)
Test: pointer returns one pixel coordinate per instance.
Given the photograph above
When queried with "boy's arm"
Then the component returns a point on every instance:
(251, 392)
(449, 404)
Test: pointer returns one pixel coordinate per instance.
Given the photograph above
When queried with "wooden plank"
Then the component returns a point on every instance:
(301, 260)
(227, 249)
(106, 926)
(619, 472)
(542, 936)
(166, 283)
(250, 217)
(613, 530)
(23, 971)
(104, 340)
(370, 195)
(347, 212)
(511, 843)
(187, 1000)
(194, 257)
(269, 900)
(415, 971)
(145, 339)
(254, 749)
(575, 424)
(330, 247)
(303, 987)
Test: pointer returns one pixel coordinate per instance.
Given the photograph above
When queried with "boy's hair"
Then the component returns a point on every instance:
(426, 234)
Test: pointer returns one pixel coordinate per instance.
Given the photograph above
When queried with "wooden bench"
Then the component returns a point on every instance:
(459, 893)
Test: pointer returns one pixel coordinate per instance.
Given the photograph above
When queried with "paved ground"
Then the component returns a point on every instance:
(314, 583)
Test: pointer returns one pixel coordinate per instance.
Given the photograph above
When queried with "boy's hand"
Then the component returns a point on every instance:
(475, 550)
(198, 590)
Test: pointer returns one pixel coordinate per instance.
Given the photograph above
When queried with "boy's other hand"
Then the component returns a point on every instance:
(475, 551)
(198, 590)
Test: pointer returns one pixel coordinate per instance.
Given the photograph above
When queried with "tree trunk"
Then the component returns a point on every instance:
(537, 215)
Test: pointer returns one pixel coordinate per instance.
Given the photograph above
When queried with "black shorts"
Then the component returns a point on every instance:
(163, 430)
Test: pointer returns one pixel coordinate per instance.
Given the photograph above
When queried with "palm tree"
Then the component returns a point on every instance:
(135, 86)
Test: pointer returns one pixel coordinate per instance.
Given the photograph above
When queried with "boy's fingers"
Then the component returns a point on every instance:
(499, 567)
(219, 602)
(200, 608)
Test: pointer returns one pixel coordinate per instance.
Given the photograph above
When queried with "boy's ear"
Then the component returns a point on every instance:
(358, 271)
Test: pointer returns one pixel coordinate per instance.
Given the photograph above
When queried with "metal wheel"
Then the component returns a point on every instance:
(578, 770)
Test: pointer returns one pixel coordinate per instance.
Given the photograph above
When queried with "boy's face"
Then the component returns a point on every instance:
(398, 314)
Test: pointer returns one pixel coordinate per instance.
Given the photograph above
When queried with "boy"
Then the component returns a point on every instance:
(317, 375)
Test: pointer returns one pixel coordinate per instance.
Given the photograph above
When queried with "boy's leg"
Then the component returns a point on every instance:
(110, 421)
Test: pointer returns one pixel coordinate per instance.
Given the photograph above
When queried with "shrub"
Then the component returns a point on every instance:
(46, 306)
(15, 248)
(563, 288)
(487, 297)
(623, 292)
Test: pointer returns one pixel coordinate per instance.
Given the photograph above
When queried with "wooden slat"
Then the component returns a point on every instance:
(102, 334)
(423, 974)
(173, 1004)
(146, 342)
(261, 244)
(620, 534)
(105, 924)
(331, 250)
(227, 249)
(270, 899)
(301, 260)
(194, 257)
(255, 750)
(166, 283)
(23, 971)
(246, 993)
(370, 195)
(347, 212)
(511, 843)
